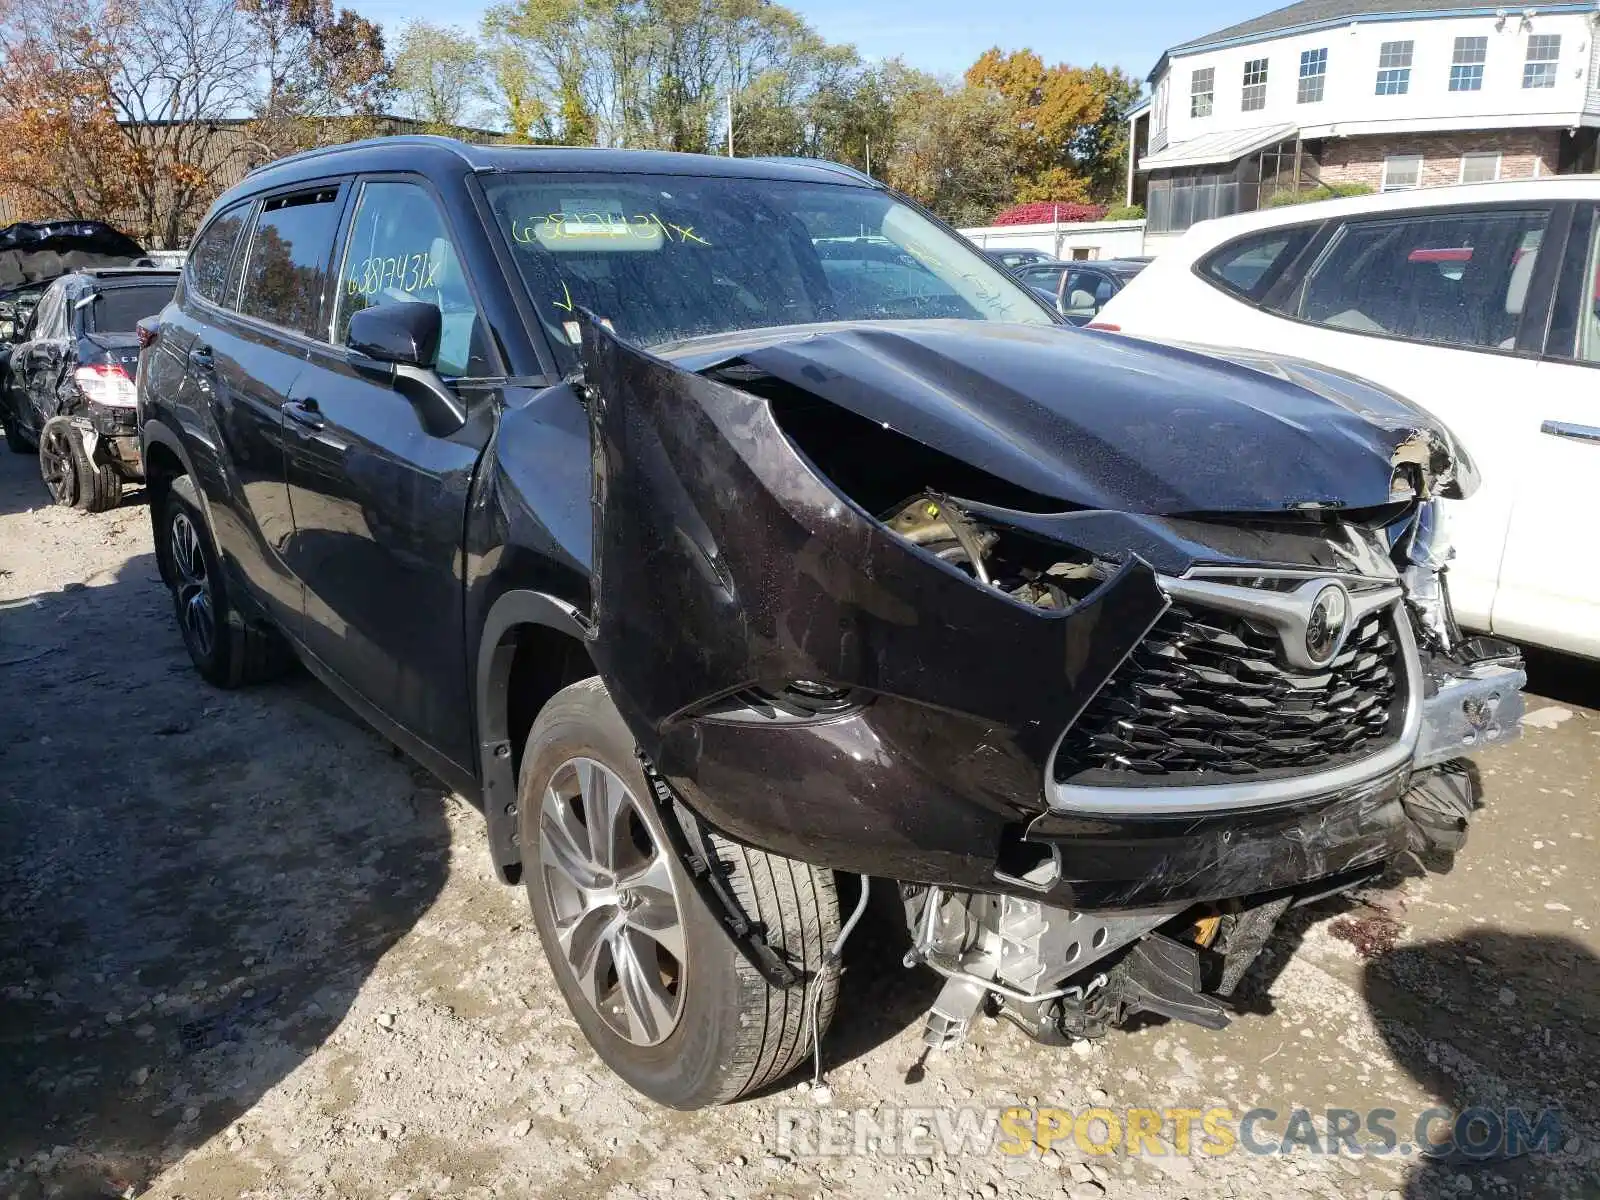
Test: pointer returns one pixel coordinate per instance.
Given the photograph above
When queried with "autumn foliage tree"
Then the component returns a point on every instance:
(1067, 124)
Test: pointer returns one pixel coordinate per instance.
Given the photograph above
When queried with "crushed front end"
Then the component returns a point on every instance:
(1108, 654)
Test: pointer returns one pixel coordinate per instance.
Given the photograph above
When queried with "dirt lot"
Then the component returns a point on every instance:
(246, 950)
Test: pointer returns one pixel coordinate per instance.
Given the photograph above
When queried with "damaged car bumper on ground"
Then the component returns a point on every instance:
(1107, 652)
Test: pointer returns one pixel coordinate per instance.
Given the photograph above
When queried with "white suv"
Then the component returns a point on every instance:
(1479, 303)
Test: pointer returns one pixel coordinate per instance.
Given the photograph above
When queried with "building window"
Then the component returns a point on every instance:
(1544, 51)
(1313, 73)
(1481, 167)
(1402, 172)
(1394, 68)
(1255, 85)
(1202, 91)
(1466, 68)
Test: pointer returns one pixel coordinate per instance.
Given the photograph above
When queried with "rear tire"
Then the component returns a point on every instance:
(224, 648)
(73, 480)
(710, 1028)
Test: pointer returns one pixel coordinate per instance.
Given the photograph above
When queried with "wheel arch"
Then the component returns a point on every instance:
(533, 645)
(165, 462)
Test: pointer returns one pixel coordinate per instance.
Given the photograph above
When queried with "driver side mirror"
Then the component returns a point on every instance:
(404, 334)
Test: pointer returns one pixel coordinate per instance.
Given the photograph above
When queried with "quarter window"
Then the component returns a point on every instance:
(1402, 172)
(1544, 53)
(1453, 279)
(1466, 64)
(1394, 68)
(213, 252)
(1480, 168)
(288, 261)
(1313, 76)
(1202, 91)
(401, 252)
(1250, 266)
(1255, 85)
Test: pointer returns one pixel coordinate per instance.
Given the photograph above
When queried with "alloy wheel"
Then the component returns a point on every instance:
(56, 465)
(193, 584)
(613, 901)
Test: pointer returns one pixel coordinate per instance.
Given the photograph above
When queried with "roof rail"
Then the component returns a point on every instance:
(391, 139)
(822, 164)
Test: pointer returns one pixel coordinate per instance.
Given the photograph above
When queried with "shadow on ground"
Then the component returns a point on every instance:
(1498, 1021)
(194, 885)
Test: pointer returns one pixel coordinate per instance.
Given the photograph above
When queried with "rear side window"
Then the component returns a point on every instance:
(213, 251)
(288, 261)
(1249, 266)
(119, 309)
(1452, 279)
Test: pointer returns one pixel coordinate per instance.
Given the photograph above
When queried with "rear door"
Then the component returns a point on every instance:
(1550, 578)
(243, 360)
(378, 488)
(39, 362)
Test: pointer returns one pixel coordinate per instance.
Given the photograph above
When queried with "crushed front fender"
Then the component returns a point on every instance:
(724, 562)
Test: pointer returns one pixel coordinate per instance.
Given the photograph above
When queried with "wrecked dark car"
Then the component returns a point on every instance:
(35, 253)
(69, 382)
(739, 580)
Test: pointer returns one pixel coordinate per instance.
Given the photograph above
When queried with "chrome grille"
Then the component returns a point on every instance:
(1208, 693)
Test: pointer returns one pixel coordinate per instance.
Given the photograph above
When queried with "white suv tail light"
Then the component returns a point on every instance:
(106, 383)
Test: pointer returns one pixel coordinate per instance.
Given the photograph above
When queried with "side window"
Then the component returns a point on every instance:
(288, 263)
(1250, 265)
(1453, 279)
(213, 252)
(1086, 292)
(400, 251)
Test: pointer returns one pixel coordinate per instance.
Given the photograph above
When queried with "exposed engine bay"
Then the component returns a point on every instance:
(1062, 974)
(1108, 691)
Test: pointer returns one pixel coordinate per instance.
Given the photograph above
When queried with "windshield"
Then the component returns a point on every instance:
(120, 309)
(661, 258)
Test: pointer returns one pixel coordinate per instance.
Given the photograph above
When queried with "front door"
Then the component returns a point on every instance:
(1549, 579)
(379, 501)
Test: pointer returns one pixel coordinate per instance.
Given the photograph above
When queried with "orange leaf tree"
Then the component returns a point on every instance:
(1068, 140)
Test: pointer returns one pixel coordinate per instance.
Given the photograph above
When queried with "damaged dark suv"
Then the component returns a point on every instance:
(736, 535)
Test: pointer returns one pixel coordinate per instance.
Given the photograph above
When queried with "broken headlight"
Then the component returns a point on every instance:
(1423, 552)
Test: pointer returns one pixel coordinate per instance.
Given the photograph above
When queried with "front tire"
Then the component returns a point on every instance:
(223, 647)
(650, 975)
(16, 439)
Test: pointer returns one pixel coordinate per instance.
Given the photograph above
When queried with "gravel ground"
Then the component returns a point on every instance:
(248, 950)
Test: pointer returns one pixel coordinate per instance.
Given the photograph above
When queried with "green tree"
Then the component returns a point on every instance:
(438, 75)
(952, 147)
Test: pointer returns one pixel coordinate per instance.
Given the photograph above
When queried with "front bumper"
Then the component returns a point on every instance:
(902, 791)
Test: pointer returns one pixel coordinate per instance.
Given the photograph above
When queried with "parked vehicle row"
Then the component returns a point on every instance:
(1078, 291)
(69, 354)
(743, 540)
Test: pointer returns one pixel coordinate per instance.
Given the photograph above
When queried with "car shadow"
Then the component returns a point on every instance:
(194, 885)
(1498, 1021)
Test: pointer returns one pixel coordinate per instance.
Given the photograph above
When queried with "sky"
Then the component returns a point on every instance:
(944, 36)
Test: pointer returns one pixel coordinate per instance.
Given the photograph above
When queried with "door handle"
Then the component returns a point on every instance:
(201, 358)
(1565, 429)
(304, 412)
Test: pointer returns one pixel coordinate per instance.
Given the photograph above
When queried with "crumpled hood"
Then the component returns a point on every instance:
(39, 251)
(1109, 422)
